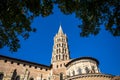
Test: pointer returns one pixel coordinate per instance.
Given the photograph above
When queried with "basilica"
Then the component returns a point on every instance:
(62, 66)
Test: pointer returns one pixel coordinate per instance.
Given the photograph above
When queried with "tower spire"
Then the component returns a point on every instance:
(60, 31)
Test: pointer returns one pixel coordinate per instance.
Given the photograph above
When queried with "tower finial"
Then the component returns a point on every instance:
(60, 29)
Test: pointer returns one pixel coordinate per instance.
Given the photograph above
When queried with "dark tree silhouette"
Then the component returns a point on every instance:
(17, 15)
(93, 13)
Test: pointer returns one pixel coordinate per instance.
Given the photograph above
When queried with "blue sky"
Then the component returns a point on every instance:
(38, 48)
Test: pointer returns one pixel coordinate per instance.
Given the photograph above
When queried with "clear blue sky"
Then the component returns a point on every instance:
(38, 48)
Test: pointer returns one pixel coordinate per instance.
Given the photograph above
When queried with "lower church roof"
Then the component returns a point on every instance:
(23, 61)
(80, 58)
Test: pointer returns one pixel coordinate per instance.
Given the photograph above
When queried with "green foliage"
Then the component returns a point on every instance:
(17, 15)
(93, 13)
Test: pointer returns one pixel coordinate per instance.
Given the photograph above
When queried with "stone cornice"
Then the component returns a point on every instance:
(89, 75)
(14, 60)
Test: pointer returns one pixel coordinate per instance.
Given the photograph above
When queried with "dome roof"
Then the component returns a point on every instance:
(80, 58)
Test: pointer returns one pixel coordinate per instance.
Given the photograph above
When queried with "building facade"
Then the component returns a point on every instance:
(62, 66)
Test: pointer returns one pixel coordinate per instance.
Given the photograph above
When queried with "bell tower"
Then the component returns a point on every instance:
(60, 47)
(60, 55)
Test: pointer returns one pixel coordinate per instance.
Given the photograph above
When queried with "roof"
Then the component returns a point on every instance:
(33, 63)
(76, 59)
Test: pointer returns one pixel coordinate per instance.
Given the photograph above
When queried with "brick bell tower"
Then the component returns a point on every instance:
(60, 55)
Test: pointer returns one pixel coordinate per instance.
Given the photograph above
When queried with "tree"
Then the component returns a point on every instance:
(93, 13)
(17, 15)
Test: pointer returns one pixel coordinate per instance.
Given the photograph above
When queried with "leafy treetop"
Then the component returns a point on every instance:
(16, 17)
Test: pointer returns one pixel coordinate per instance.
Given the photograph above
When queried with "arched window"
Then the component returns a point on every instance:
(79, 71)
(59, 45)
(31, 78)
(61, 76)
(64, 45)
(14, 74)
(1, 76)
(87, 70)
(60, 65)
(41, 76)
(59, 50)
(59, 57)
(17, 78)
(56, 57)
(57, 66)
(65, 50)
(93, 69)
(73, 72)
(69, 73)
(63, 56)
(62, 39)
(66, 57)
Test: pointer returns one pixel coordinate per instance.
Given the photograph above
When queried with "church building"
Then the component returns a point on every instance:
(62, 66)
